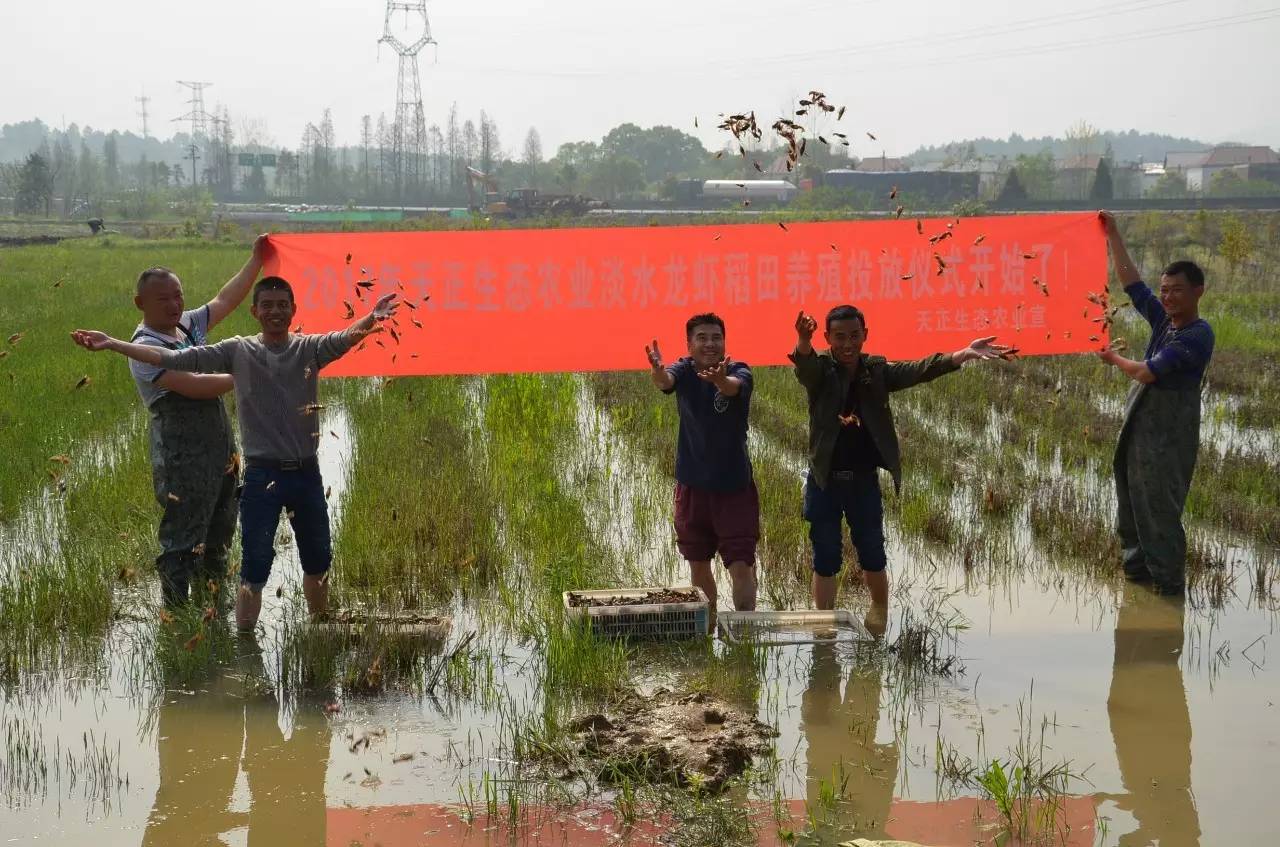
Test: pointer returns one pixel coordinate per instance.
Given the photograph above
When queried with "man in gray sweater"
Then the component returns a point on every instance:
(275, 376)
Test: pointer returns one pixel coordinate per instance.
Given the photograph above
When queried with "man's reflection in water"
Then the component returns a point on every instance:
(206, 738)
(286, 775)
(841, 736)
(1150, 724)
(199, 739)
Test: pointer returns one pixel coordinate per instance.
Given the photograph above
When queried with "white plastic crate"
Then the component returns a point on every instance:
(780, 628)
(647, 621)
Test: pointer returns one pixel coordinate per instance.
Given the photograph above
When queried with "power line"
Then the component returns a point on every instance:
(1009, 28)
(1028, 24)
(1198, 26)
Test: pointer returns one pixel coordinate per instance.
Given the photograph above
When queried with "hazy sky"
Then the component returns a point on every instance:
(911, 72)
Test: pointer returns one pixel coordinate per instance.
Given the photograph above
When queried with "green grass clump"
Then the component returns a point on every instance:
(42, 413)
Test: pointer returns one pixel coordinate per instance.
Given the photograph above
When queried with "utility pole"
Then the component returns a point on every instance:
(410, 128)
(193, 153)
(144, 100)
(199, 124)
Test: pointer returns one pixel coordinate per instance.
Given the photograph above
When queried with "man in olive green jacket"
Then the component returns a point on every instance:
(851, 434)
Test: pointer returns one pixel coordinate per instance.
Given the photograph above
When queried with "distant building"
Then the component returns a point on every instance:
(1179, 160)
(1200, 168)
(882, 164)
(942, 188)
(1086, 162)
(1150, 175)
(1074, 174)
(1220, 159)
(989, 172)
(1267, 172)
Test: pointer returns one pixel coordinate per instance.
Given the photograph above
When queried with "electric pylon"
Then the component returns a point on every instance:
(410, 130)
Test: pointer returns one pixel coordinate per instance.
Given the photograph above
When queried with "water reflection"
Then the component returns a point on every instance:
(207, 738)
(1150, 724)
(199, 746)
(843, 757)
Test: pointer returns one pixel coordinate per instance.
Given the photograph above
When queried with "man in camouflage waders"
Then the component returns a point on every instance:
(1156, 452)
(194, 465)
(276, 392)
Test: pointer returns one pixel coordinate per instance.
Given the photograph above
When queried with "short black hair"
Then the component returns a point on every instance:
(271, 283)
(699, 320)
(153, 273)
(846, 313)
(1188, 269)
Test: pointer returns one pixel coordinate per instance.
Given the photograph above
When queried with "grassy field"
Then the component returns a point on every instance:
(487, 497)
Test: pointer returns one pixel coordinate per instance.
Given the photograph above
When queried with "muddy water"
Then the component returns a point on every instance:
(33, 535)
(1170, 712)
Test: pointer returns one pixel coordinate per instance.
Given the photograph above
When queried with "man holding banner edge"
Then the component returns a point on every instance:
(851, 436)
(275, 375)
(1156, 451)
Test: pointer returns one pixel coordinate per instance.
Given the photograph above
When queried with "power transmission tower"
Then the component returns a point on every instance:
(410, 130)
(144, 100)
(198, 116)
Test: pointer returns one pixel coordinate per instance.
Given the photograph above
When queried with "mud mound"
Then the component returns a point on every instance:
(667, 737)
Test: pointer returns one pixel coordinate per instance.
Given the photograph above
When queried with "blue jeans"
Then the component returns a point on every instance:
(267, 491)
(857, 500)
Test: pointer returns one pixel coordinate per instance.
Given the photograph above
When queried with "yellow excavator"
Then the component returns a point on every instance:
(482, 190)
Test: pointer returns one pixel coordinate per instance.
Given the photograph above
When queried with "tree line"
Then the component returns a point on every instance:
(78, 171)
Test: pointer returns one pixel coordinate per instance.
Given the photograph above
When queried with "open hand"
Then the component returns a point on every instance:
(806, 326)
(385, 307)
(716, 372)
(654, 355)
(985, 348)
(91, 339)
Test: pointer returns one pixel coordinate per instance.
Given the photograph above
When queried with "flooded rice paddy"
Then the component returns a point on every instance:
(1014, 646)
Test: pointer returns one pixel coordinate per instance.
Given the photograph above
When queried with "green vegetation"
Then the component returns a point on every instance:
(482, 499)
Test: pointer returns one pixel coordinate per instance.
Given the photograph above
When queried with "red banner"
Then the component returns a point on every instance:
(590, 299)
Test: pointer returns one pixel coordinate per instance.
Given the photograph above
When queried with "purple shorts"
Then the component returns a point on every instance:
(724, 522)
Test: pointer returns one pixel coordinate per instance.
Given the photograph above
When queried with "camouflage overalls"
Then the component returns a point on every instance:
(1154, 461)
(1156, 453)
(192, 448)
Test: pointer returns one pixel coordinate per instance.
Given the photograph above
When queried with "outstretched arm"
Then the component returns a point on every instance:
(662, 378)
(981, 349)
(384, 309)
(900, 375)
(237, 288)
(1144, 300)
(93, 340)
(333, 346)
(1126, 270)
(215, 358)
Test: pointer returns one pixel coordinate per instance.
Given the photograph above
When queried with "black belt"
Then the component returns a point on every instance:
(860, 473)
(282, 464)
